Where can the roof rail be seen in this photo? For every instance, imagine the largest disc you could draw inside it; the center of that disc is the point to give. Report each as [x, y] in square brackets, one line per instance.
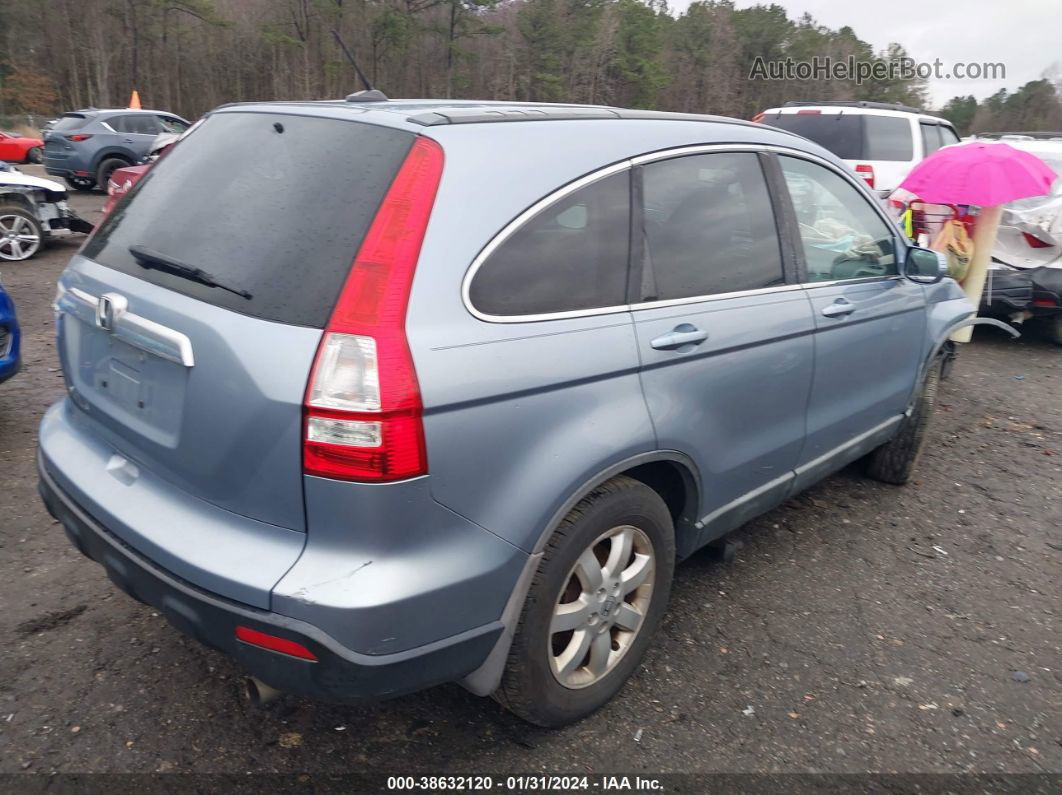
[530, 112]
[862, 103]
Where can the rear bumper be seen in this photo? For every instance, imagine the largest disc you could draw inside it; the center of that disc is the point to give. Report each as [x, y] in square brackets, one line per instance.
[339, 674]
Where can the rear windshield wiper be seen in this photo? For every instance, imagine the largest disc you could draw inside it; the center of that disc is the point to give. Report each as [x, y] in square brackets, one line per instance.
[153, 260]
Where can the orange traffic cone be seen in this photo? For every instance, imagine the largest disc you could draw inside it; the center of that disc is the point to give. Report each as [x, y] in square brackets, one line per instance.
[134, 100]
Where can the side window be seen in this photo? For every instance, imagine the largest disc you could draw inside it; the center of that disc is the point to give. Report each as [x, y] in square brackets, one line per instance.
[139, 124]
[709, 226]
[571, 255]
[930, 137]
[947, 136]
[172, 125]
[842, 236]
[887, 138]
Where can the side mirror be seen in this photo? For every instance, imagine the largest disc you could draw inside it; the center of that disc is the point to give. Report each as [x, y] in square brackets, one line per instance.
[925, 266]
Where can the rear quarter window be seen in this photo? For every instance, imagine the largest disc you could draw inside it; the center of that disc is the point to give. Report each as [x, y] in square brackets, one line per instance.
[270, 204]
[888, 138]
[571, 255]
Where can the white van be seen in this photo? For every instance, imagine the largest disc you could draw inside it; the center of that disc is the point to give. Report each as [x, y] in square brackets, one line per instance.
[881, 142]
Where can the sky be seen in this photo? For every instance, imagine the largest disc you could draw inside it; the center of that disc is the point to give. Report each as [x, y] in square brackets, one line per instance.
[1025, 35]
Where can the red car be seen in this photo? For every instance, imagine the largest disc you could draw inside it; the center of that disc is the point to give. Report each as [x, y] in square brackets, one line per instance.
[17, 149]
[121, 180]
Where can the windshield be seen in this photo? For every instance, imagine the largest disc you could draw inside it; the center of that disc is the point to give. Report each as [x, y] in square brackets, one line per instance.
[269, 204]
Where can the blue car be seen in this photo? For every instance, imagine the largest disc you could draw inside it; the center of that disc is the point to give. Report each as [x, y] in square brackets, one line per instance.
[9, 337]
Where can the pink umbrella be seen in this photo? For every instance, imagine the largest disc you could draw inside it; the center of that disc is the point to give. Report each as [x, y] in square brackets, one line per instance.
[985, 174]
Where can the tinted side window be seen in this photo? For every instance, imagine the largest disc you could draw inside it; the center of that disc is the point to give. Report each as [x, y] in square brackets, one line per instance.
[947, 136]
[709, 226]
[930, 137]
[842, 236]
[888, 138]
[572, 255]
[172, 125]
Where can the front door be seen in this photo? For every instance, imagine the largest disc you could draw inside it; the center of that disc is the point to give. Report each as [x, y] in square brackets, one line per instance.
[724, 336]
[869, 320]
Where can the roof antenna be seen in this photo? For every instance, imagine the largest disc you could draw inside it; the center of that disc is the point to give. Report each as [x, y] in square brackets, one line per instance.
[370, 94]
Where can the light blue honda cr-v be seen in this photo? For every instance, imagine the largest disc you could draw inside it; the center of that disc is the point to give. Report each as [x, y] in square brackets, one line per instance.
[445, 392]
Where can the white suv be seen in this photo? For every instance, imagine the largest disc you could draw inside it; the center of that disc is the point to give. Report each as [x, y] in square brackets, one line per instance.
[880, 142]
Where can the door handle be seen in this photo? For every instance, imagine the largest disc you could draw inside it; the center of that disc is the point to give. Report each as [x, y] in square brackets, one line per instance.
[839, 308]
[129, 141]
[683, 334]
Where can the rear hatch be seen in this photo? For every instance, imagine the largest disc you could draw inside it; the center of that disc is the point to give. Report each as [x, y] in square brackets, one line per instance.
[203, 385]
[56, 146]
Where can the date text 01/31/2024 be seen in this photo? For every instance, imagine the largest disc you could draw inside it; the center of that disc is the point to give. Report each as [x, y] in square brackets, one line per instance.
[530, 783]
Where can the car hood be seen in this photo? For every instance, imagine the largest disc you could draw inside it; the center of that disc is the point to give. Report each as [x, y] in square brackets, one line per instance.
[26, 181]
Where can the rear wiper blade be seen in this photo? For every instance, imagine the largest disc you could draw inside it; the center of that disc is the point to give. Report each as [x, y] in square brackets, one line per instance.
[153, 260]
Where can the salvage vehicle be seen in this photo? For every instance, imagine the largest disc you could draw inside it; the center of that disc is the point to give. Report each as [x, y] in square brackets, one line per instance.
[20, 149]
[881, 142]
[10, 337]
[85, 146]
[464, 423]
[32, 209]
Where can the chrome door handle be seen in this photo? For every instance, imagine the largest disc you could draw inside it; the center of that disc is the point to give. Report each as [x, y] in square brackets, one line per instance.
[684, 334]
[839, 309]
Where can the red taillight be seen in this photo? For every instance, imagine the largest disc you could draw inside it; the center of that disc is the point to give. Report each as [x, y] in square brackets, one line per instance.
[78, 137]
[808, 112]
[758, 117]
[363, 407]
[866, 172]
[1034, 242]
[1044, 302]
[273, 643]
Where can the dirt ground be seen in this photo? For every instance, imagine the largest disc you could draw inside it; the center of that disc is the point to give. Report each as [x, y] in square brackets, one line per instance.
[862, 627]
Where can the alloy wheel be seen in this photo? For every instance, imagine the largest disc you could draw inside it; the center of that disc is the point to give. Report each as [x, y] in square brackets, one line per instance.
[19, 239]
[602, 606]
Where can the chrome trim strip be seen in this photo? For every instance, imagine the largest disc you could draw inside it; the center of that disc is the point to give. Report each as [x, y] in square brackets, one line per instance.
[666, 154]
[704, 299]
[853, 442]
[744, 498]
[147, 335]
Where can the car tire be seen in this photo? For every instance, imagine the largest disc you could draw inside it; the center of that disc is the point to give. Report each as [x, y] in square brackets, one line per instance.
[35, 155]
[16, 218]
[106, 168]
[80, 183]
[537, 685]
[894, 461]
[1054, 329]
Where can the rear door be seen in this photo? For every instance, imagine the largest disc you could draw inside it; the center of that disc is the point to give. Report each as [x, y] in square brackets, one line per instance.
[135, 132]
[724, 335]
[203, 385]
[869, 320]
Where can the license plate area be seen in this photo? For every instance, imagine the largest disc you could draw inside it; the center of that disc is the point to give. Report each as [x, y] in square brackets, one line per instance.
[136, 392]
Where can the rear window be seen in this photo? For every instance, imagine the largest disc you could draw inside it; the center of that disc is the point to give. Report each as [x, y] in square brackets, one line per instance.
[852, 136]
[842, 134]
[69, 121]
[268, 204]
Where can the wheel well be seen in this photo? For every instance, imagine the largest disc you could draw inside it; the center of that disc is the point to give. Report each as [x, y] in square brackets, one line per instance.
[16, 198]
[678, 488]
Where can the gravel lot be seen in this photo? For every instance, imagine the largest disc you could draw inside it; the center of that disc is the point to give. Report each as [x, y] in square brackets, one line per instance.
[861, 626]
